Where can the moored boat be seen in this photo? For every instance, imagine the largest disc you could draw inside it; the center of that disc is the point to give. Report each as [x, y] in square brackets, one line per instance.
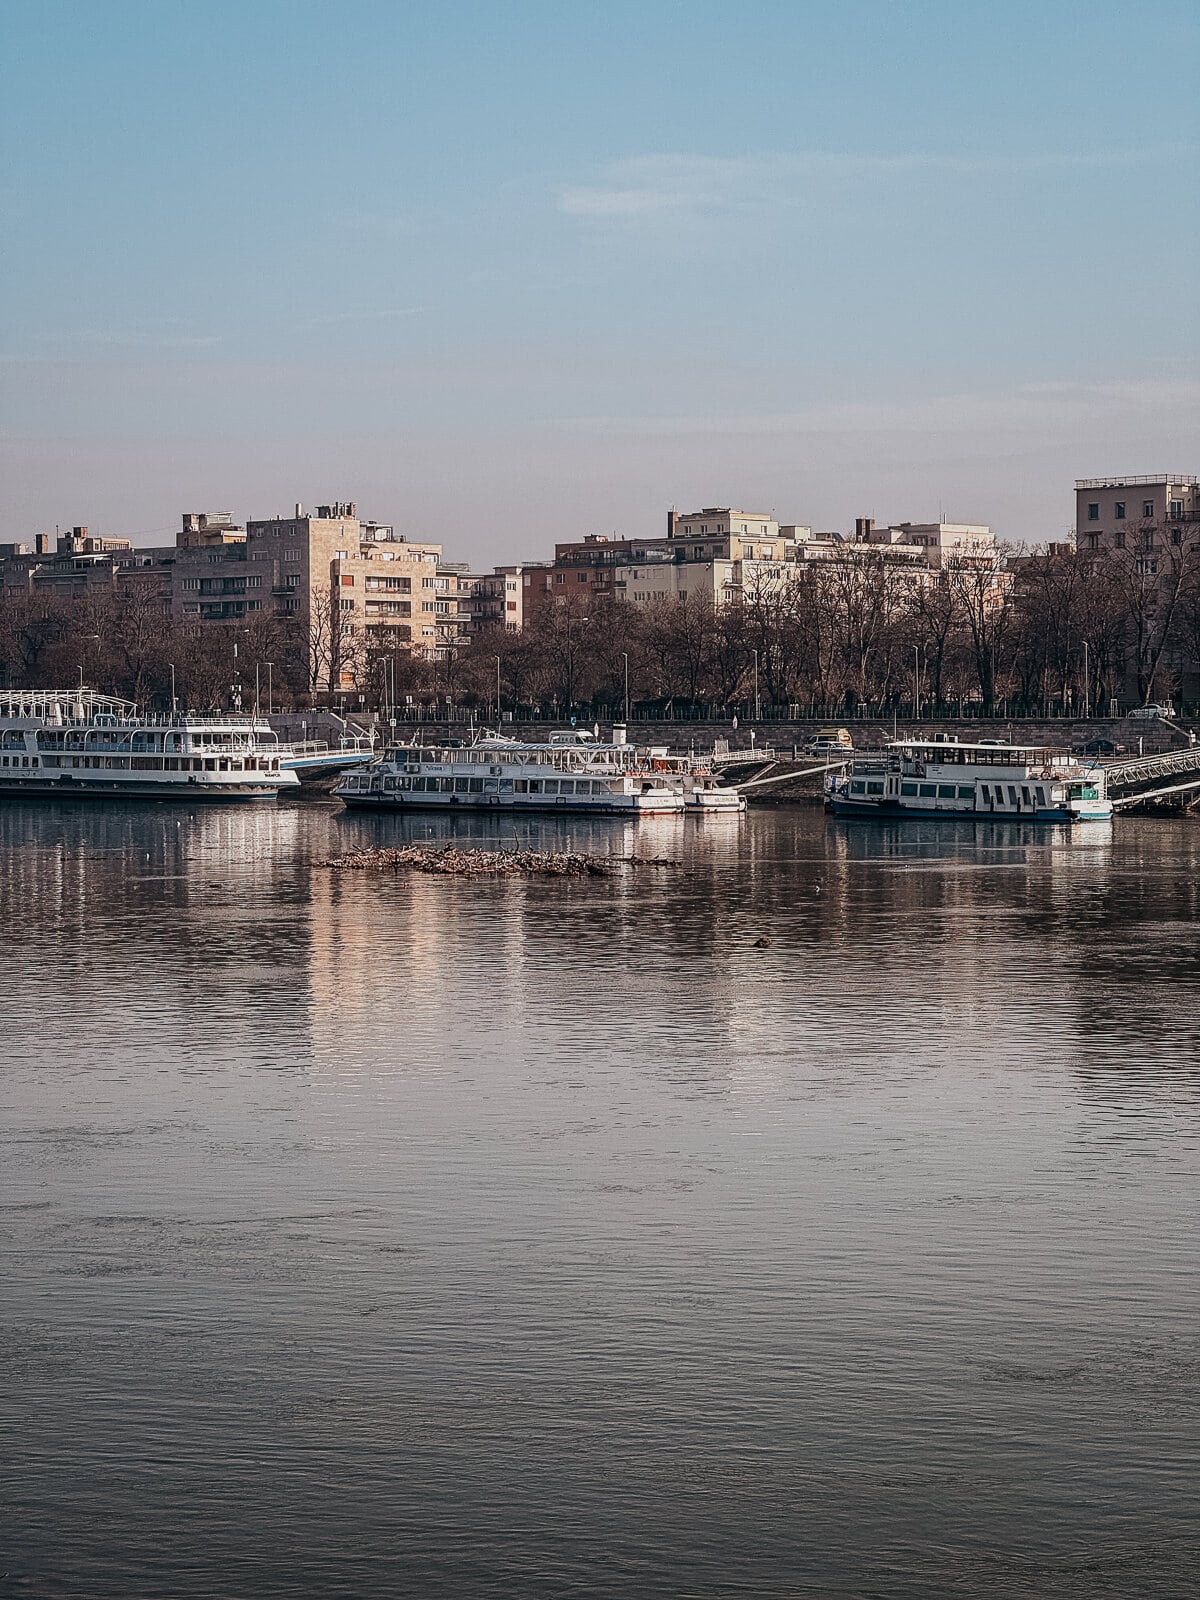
[945, 778]
[571, 771]
[76, 744]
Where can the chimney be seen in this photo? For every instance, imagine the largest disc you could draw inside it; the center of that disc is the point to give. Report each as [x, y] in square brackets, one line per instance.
[299, 510]
[42, 543]
[864, 527]
[671, 523]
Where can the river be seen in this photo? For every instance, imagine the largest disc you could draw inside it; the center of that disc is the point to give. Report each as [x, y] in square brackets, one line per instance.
[377, 1235]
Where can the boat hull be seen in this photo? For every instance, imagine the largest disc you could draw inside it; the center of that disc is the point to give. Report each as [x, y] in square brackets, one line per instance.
[891, 809]
[188, 793]
[633, 806]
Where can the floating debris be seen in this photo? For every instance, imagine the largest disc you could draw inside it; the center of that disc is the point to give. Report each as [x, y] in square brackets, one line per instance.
[456, 862]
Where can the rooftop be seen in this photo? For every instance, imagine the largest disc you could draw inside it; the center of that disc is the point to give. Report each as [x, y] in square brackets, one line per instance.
[1185, 478]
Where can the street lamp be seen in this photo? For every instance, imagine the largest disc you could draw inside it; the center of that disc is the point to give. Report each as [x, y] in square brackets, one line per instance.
[497, 688]
[625, 658]
[1087, 688]
[270, 688]
[917, 682]
[757, 711]
[173, 700]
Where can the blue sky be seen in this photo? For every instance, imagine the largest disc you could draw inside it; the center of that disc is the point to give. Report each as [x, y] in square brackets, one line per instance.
[506, 273]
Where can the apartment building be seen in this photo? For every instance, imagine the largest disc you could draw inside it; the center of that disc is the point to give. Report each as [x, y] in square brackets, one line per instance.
[339, 578]
[928, 544]
[1149, 516]
[496, 599]
[722, 554]
[78, 563]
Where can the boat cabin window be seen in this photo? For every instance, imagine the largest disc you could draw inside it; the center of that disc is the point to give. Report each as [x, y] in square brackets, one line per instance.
[945, 791]
[1012, 794]
[908, 788]
[929, 791]
[550, 786]
[874, 788]
[858, 787]
[966, 791]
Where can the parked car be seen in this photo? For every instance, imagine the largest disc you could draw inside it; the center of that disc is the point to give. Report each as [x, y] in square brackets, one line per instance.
[830, 741]
[1152, 712]
[1099, 747]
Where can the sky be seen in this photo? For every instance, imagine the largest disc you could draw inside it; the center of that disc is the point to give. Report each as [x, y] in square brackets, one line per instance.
[515, 272]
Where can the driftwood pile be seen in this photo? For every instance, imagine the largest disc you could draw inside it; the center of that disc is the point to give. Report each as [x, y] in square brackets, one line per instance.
[455, 862]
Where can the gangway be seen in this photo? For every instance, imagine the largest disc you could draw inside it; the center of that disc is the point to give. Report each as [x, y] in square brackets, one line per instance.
[1132, 780]
[315, 755]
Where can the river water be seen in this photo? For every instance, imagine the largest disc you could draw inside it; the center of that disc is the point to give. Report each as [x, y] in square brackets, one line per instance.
[373, 1235]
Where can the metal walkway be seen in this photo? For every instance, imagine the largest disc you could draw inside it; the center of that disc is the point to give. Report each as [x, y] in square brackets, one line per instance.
[316, 756]
[1135, 779]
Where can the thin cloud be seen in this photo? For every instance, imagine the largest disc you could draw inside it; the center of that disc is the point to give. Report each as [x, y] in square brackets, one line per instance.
[395, 314]
[675, 184]
[1029, 406]
[143, 339]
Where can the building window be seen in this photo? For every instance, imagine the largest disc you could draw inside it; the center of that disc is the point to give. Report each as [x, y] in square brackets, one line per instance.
[1120, 511]
[1093, 540]
[347, 605]
[291, 556]
[1120, 539]
[1176, 536]
[1176, 510]
[1147, 508]
[1094, 511]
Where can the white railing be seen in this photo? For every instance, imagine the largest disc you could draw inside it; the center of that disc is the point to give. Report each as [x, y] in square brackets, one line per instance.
[1185, 479]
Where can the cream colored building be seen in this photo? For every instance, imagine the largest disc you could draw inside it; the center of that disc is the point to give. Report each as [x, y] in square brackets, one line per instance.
[1154, 513]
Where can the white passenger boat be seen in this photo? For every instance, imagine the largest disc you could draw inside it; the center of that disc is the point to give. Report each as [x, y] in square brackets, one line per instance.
[943, 778]
[82, 745]
[570, 772]
[698, 782]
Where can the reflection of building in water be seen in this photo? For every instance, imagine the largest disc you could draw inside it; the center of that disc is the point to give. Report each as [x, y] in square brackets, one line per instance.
[173, 913]
[1134, 979]
[417, 972]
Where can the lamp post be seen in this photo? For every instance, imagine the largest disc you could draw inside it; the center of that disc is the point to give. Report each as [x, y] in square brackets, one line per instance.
[757, 711]
[1087, 687]
[174, 702]
[270, 688]
[625, 658]
[497, 688]
[917, 682]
